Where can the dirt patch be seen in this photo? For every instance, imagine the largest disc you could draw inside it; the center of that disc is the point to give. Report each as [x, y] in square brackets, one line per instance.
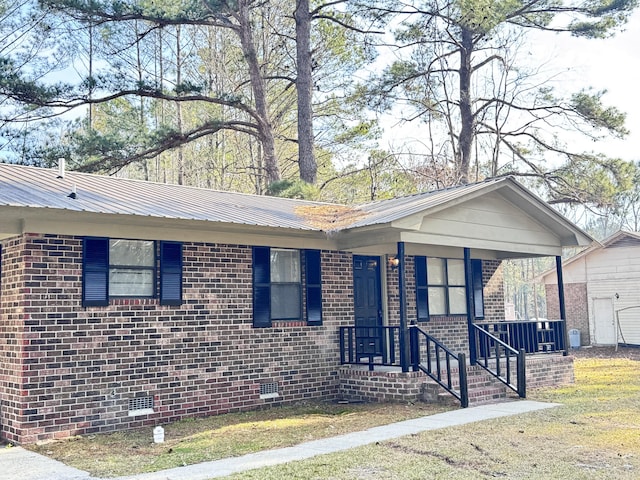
[632, 353]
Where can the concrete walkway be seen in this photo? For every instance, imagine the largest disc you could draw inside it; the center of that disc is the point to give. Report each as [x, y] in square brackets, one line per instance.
[19, 464]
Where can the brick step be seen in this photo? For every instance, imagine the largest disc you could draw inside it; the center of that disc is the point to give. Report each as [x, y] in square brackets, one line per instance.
[482, 388]
[475, 376]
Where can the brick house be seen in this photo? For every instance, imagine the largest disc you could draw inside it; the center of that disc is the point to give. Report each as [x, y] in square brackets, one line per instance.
[601, 291]
[126, 303]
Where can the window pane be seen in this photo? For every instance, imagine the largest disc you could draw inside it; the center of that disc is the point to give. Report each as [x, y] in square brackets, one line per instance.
[131, 253]
[455, 272]
[285, 265]
[285, 301]
[436, 301]
[435, 271]
[125, 282]
[457, 301]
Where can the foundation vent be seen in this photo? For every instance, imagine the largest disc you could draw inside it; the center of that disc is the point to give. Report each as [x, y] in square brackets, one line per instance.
[269, 390]
[140, 406]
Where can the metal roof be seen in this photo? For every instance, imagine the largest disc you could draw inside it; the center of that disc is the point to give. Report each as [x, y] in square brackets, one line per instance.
[24, 186]
[41, 188]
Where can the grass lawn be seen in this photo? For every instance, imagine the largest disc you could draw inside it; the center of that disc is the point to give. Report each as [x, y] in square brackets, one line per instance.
[595, 434]
[204, 439]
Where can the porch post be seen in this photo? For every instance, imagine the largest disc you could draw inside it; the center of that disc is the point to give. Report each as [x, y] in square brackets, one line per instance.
[468, 273]
[563, 313]
[402, 296]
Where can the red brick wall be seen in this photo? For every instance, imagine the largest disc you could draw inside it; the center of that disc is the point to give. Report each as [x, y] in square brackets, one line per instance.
[493, 281]
[575, 298]
[451, 331]
[549, 370]
[66, 369]
[203, 357]
[376, 386]
[12, 335]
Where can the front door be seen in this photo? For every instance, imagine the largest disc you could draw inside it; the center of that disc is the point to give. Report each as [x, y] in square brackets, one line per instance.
[604, 325]
[368, 306]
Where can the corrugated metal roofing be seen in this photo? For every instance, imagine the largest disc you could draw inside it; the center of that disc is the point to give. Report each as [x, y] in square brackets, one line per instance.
[42, 188]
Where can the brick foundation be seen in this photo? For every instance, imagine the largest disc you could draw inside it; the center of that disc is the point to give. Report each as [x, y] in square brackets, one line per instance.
[379, 386]
[549, 370]
[357, 384]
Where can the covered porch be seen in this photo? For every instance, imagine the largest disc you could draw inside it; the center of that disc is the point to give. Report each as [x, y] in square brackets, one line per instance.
[495, 222]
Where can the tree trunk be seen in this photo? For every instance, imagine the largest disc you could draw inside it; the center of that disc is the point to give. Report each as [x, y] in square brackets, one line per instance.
[465, 141]
[259, 89]
[145, 163]
[179, 153]
[304, 88]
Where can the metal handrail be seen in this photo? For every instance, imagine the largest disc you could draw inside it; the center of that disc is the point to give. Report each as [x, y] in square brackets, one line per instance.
[434, 350]
[486, 344]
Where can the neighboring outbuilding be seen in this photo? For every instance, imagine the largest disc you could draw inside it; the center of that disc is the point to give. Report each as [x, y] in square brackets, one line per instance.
[601, 289]
[126, 303]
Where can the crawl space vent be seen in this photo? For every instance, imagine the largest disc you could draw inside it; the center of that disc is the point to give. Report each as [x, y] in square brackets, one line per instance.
[269, 390]
[140, 406]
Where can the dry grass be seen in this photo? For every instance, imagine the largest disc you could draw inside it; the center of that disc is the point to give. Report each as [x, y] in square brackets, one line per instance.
[595, 434]
[205, 439]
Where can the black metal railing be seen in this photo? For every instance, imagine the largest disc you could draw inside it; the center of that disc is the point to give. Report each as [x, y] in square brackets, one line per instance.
[498, 347]
[437, 361]
[498, 358]
[536, 336]
[370, 346]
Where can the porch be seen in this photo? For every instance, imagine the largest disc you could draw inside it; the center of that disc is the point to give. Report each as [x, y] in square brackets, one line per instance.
[504, 357]
[358, 383]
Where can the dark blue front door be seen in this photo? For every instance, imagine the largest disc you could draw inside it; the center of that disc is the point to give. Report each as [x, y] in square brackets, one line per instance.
[368, 307]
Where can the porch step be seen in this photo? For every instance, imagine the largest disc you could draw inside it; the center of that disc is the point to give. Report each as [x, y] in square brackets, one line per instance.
[482, 388]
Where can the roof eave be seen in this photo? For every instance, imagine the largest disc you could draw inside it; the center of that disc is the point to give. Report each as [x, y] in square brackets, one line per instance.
[19, 220]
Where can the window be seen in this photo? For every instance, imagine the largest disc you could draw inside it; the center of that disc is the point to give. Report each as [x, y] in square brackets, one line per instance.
[441, 287]
[131, 268]
[285, 284]
[277, 285]
[445, 287]
[478, 291]
[115, 268]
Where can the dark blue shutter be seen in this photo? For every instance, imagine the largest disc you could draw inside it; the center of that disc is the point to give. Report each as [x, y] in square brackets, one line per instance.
[170, 273]
[478, 295]
[422, 292]
[95, 272]
[261, 287]
[313, 286]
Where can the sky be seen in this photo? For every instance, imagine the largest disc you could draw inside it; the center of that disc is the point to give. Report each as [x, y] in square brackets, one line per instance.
[611, 64]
